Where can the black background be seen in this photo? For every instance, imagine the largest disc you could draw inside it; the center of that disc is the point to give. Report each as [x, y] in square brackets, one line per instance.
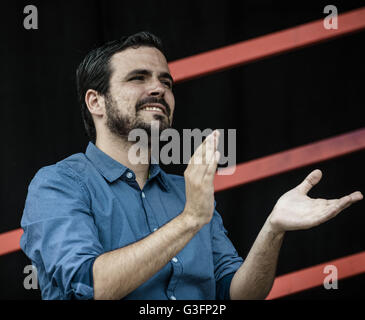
[275, 104]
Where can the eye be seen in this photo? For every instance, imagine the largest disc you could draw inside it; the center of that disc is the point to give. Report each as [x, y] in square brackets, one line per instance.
[167, 83]
[139, 78]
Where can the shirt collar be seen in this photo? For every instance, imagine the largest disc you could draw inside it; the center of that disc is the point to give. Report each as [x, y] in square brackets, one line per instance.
[107, 166]
[113, 170]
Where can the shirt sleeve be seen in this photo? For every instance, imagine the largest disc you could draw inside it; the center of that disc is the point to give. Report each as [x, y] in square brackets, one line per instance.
[225, 257]
[60, 236]
[223, 287]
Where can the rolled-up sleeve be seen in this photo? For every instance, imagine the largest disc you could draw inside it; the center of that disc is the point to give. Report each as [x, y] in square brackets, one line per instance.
[225, 257]
[60, 236]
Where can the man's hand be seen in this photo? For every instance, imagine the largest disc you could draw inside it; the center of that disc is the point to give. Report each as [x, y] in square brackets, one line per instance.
[295, 210]
[199, 177]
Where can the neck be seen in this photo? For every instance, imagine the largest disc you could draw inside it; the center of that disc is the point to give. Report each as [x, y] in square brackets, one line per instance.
[117, 148]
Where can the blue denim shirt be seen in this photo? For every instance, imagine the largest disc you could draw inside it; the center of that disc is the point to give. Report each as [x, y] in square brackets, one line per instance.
[88, 204]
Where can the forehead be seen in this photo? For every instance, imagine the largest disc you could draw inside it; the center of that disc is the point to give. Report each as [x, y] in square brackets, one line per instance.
[141, 58]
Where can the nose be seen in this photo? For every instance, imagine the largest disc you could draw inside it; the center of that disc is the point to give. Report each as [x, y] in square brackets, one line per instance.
[156, 89]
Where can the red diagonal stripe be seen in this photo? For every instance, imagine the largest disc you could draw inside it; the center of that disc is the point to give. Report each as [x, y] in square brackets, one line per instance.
[265, 46]
[314, 276]
[9, 241]
[289, 160]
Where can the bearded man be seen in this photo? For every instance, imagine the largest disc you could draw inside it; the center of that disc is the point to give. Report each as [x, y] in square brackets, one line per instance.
[98, 225]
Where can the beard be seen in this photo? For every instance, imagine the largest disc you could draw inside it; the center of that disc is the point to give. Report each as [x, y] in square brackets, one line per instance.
[121, 125]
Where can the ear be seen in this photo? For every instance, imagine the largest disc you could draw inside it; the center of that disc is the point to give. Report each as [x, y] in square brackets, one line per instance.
[95, 102]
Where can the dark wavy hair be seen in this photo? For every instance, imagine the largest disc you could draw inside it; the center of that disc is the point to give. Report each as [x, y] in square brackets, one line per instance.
[94, 71]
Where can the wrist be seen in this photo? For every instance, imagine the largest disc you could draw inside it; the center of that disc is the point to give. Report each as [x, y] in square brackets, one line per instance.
[190, 221]
[273, 228]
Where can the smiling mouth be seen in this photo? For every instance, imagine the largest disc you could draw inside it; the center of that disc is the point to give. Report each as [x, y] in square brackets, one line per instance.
[154, 107]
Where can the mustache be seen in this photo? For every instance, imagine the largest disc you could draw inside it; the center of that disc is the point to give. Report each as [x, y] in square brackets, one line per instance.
[154, 100]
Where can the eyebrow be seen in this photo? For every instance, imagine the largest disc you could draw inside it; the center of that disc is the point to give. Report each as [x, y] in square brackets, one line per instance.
[149, 73]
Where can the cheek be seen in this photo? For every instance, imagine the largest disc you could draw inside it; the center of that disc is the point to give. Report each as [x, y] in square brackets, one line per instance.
[126, 102]
[171, 102]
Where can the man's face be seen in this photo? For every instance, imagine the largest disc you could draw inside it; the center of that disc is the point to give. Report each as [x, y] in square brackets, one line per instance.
[140, 91]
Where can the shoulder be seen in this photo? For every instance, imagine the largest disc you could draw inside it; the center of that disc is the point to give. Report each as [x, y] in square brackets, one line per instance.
[65, 173]
[55, 188]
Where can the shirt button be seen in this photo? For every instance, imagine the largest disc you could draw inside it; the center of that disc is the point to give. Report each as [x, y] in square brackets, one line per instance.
[172, 298]
[143, 195]
[154, 229]
[174, 259]
[129, 175]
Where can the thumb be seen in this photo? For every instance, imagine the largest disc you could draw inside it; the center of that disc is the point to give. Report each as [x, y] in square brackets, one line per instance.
[310, 181]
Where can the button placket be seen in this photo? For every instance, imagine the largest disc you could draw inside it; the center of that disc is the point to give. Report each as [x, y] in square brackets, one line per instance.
[151, 219]
[176, 273]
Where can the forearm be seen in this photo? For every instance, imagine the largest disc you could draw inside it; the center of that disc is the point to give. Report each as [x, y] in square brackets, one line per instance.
[118, 272]
[254, 279]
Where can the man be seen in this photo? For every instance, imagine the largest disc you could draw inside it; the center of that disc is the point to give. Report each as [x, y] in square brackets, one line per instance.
[99, 226]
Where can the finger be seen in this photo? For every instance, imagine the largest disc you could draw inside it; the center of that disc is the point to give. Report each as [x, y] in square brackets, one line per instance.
[338, 205]
[199, 164]
[209, 175]
[199, 153]
[310, 181]
[211, 149]
[353, 197]
[208, 151]
[346, 201]
[357, 196]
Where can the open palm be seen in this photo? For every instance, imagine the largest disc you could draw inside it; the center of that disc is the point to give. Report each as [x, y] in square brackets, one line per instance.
[295, 210]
